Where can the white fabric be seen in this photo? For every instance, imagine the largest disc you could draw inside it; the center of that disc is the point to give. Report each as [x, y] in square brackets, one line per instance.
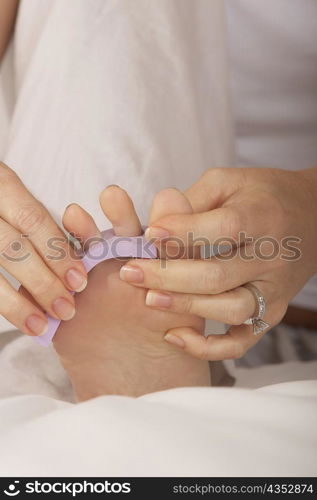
[210, 432]
[181, 432]
[132, 93]
[273, 57]
[28, 368]
[6, 97]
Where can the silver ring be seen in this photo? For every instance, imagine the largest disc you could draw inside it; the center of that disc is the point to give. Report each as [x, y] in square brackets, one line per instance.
[259, 325]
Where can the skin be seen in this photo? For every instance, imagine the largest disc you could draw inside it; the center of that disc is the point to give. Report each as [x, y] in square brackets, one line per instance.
[115, 344]
[259, 202]
[26, 227]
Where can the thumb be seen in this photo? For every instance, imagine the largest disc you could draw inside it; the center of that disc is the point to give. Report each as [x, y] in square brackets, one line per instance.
[169, 201]
[214, 187]
[166, 202]
[211, 217]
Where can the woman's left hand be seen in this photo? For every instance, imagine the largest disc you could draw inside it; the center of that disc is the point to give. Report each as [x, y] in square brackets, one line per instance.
[269, 217]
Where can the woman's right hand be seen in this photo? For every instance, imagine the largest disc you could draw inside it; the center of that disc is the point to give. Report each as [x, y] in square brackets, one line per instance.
[36, 252]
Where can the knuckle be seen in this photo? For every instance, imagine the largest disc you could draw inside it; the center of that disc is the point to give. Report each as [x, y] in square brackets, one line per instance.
[208, 174]
[14, 251]
[203, 353]
[236, 314]
[7, 239]
[7, 175]
[186, 304]
[45, 287]
[158, 279]
[231, 224]
[30, 218]
[275, 212]
[277, 209]
[12, 308]
[238, 350]
[214, 278]
[216, 172]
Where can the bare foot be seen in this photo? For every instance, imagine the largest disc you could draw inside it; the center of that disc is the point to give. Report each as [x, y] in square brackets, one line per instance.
[114, 344]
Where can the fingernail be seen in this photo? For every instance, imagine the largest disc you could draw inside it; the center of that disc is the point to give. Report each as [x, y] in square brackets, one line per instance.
[172, 339]
[64, 309]
[76, 280]
[69, 206]
[36, 324]
[158, 299]
[112, 185]
[156, 233]
[131, 274]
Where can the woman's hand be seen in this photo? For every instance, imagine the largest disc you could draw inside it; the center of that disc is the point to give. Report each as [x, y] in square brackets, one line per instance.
[269, 216]
[35, 251]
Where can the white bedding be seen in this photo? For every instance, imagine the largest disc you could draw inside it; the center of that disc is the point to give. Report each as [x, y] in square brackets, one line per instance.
[269, 431]
[183, 432]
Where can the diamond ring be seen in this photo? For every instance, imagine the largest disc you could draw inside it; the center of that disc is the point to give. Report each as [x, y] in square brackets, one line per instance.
[259, 325]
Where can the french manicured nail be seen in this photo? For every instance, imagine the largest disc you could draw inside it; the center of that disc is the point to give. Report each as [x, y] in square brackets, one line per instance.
[158, 299]
[156, 233]
[131, 274]
[76, 280]
[172, 339]
[64, 309]
[36, 324]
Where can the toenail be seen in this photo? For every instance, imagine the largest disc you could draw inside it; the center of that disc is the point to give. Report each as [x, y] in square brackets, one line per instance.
[131, 274]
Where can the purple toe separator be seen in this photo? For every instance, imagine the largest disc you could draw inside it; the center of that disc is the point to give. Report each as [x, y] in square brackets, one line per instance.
[110, 248]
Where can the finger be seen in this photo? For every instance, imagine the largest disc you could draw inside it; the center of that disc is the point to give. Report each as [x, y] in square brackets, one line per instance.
[232, 307]
[80, 224]
[119, 209]
[29, 217]
[232, 345]
[19, 311]
[197, 229]
[170, 201]
[210, 276]
[18, 258]
[214, 217]
[214, 187]
[211, 190]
